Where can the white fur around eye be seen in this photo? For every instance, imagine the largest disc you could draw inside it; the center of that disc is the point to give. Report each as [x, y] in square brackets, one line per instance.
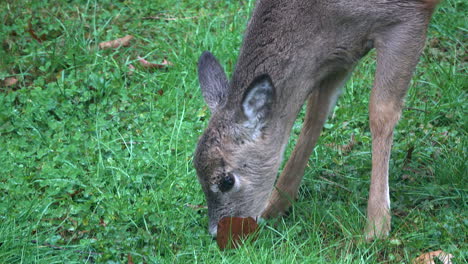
[214, 188]
[237, 185]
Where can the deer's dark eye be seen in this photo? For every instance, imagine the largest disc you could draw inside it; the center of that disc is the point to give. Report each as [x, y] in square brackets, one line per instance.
[227, 182]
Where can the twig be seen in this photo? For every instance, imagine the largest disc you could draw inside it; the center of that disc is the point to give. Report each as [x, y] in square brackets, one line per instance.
[147, 64]
[33, 34]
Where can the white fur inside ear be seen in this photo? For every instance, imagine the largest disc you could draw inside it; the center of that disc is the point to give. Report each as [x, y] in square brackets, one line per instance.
[255, 133]
[256, 99]
[256, 106]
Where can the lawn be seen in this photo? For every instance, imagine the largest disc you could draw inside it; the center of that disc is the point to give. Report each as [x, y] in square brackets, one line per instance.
[96, 149]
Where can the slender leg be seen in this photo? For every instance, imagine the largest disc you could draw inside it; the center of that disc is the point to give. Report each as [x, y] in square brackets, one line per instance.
[318, 106]
[398, 51]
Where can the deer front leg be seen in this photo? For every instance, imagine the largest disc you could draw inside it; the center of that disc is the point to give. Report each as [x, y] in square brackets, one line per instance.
[383, 117]
[318, 106]
[398, 51]
[288, 183]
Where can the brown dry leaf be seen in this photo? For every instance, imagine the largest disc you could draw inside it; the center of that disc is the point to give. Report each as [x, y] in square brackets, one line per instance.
[147, 64]
[10, 81]
[113, 44]
[232, 230]
[33, 33]
[102, 223]
[428, 258]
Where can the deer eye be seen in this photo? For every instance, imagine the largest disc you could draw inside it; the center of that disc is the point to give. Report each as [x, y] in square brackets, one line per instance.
[227, 182]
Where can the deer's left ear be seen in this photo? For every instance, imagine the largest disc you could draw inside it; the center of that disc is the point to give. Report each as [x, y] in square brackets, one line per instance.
[213, 81]
[258, 102]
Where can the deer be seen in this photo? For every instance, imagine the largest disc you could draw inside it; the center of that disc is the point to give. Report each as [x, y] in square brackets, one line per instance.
[296, 52]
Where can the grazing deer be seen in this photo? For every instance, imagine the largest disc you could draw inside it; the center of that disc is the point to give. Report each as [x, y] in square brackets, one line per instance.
[294, 51]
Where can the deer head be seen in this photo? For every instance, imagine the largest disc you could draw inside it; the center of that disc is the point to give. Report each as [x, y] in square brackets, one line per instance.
[236, 158]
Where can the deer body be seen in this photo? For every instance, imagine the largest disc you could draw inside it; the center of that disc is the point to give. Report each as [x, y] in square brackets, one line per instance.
[297, 51]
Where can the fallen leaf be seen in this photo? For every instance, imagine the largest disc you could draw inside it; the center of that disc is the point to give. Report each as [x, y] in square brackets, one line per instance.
[33, 33]
[147, 64]
[113, 44]
[428, 258]
[232, 230]
[10, 81]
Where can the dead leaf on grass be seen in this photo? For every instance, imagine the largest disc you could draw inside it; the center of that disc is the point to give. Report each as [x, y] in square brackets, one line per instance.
[101, 222]
[10, 81]
[113, 44]
[150, 65]
[428, 258]
[33, 33]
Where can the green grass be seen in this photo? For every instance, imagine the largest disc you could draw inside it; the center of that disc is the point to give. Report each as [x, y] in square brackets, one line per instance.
[96, 163]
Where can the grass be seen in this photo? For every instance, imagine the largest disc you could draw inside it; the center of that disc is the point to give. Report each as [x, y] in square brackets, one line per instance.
[96, 163]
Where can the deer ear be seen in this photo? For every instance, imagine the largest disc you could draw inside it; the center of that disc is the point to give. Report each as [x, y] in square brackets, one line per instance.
[258, 102]
[213, 81]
